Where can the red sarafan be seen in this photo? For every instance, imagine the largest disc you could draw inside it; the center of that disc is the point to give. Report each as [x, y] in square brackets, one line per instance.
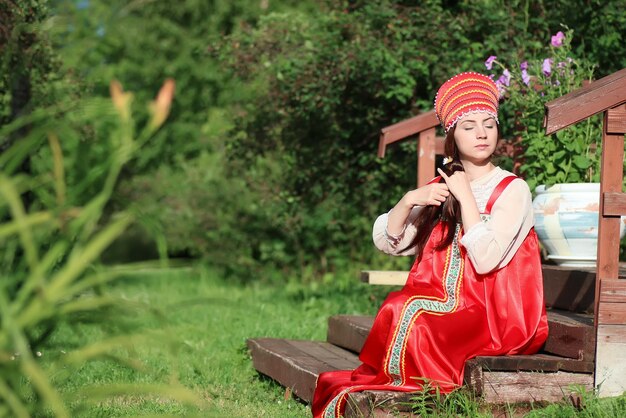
[446, 314]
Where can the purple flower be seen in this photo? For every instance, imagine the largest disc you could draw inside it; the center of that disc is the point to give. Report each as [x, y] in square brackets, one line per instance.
[557, 40]
[524, 66]
[525, 77]
[501, 87]
[489, 62]
[507, 77]
[547, 66]
[503, 82]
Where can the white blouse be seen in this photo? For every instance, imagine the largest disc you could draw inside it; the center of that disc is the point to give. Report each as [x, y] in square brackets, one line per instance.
[490, 244]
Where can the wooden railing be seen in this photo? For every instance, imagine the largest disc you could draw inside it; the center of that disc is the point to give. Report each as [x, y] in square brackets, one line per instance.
[428, 145]
[606, 95]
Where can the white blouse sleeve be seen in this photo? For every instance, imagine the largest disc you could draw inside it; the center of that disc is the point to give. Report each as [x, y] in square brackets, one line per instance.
[492, 244]
[395, 244]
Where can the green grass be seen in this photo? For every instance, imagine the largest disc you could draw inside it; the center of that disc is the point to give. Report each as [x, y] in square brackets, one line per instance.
[199, 324]
[203, 324]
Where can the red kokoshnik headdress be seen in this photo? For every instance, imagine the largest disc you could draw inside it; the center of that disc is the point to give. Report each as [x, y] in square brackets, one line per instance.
[463, 94]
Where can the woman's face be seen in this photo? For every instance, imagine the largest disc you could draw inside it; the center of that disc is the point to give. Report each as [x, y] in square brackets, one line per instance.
[476, 136]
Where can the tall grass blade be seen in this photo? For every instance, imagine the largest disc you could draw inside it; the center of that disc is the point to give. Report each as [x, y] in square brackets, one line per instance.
[59, 172]
[19, 217]
[13, 401]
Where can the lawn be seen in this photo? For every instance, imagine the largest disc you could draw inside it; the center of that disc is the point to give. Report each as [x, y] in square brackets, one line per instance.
[199, 324]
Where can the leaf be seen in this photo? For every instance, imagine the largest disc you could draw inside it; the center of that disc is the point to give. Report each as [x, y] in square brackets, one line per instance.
[581, 162]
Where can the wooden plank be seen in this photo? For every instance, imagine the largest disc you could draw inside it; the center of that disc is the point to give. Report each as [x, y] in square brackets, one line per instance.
[534, 362]
[612, 165]
[571, 335]
[614, 204]
[616, 120]
[296, 364]
[378, 404]
[387, 278]
[568, 289]
[580, 104]
[615, 334]
[613, 291]
[505, 387]
[425, 156]
[612, 313]
[349, 331]
[611, 365]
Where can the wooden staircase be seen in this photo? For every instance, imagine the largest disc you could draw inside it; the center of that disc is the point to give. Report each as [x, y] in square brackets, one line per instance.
[567, 358]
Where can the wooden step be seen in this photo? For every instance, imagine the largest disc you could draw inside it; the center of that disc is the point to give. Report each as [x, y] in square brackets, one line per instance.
[563, 287]
[296, 364]
[499, 387]
[571, 335]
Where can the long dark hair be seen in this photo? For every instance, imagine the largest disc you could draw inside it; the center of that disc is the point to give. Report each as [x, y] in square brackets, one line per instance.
[449, 212]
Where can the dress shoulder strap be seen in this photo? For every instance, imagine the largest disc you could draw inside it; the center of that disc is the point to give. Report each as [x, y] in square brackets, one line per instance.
[498, 191]
[435, 180]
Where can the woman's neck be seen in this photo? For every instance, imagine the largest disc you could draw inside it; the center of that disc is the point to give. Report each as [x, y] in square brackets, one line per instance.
[475, 171]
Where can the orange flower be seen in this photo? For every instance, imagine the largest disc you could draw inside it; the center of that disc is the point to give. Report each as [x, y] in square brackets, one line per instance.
[160, 107]
[121, 100]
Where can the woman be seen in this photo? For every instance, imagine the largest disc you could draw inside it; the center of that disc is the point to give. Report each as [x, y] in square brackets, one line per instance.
[475, 288]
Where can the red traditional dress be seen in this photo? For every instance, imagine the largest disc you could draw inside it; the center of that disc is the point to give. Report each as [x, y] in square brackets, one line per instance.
[446, 314]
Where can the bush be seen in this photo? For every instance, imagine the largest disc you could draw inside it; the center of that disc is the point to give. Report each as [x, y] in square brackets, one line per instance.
[329, 82]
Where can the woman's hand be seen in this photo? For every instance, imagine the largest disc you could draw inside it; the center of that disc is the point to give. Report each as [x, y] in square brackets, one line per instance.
[459, 185]
[431, 194]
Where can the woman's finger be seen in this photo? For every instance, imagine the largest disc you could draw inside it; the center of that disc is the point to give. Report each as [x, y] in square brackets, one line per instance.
[445, 177]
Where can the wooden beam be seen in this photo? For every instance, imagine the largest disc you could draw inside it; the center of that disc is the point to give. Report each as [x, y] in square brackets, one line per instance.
[405, 129]
[513, 387]
[389, 278]
[613, 291]
[596, 97]
[616, 120]
[612, 334]
[611, 169]
[614, 204]
[612, 314]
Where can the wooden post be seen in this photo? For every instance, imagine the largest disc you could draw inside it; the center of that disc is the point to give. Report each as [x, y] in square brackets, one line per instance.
[610, 299]
[425, 156]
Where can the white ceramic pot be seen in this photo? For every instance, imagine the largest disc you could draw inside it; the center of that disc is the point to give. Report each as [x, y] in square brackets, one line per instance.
[566, 221]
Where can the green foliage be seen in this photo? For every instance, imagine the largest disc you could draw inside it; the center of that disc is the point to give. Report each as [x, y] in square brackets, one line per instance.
[303, 88]
[572, 155]
[459, 403]
[51, 237]
[29, 70]
[330, 81]
[585, 403]
[142, 43]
